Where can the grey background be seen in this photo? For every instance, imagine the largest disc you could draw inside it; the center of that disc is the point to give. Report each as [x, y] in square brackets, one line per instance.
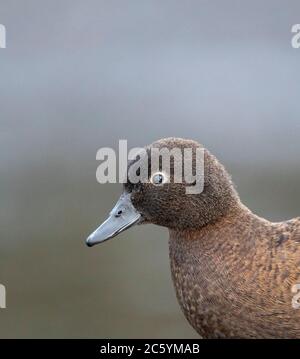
[79, 75]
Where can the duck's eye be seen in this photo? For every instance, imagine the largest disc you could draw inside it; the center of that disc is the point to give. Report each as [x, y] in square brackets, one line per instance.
[158, 178]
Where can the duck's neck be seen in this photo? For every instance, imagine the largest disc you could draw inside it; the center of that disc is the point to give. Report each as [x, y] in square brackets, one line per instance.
[217, 236]
[209, 270]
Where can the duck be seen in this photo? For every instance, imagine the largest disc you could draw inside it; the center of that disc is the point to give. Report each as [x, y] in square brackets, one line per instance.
[235, 274]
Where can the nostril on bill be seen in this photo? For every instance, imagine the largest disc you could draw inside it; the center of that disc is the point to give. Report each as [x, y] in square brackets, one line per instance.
[118, 214]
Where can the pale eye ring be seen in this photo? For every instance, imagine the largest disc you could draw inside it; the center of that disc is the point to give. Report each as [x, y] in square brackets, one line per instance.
[158, 178]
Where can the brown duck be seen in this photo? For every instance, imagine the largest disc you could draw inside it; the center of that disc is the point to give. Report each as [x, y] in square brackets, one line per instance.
[236, 275]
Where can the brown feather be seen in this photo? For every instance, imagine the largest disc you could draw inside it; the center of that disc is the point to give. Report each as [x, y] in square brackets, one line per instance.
[233, 272]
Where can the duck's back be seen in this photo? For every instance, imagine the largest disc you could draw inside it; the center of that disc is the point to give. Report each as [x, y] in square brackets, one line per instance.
[235, 278]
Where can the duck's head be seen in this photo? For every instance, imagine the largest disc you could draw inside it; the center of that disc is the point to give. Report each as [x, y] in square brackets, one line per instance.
[159, 198]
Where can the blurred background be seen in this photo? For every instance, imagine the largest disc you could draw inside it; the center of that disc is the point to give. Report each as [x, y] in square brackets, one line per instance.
[82, 74]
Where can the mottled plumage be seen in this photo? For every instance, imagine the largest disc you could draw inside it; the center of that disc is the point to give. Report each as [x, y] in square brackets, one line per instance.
[233, 278]
[233, 272]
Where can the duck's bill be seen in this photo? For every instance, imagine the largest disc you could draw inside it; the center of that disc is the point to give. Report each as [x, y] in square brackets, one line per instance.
[122, 216]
